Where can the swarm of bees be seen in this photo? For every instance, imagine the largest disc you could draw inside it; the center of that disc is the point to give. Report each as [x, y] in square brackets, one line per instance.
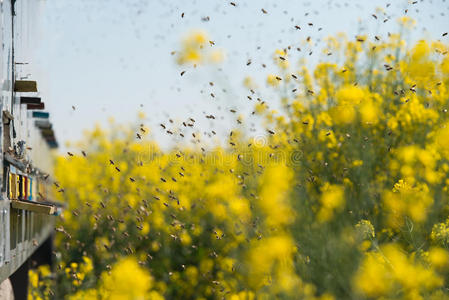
[172, 174]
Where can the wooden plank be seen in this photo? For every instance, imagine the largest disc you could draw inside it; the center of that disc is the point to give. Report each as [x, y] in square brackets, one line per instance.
[43, 124]
[30, 100]
[36, 106]
[19, 164]
[41, 114]
[34, 207]
[25, 86]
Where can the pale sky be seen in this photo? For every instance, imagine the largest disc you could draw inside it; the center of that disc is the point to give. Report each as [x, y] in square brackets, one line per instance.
[109, 57]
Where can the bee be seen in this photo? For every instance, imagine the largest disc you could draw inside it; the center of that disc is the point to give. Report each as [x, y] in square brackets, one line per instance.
[212, 95]
[297, 27]
[132, 179]
[233, 4]
[248, 62]
[182, 73]
[182, 15]
[278, 78]
[70, 154]
[264, 11]
[60, 229]
[444, 34]
[118, 170]
[374, 16]
[212, 43]
[270, 131]
[83, 153]
[111, 162]
[139, 136]
[163, 180]
[294, 76]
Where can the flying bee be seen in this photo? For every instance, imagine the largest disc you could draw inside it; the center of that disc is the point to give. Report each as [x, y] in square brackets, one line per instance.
[294, 76]
[298, 27]
[264, 11]
[139, 136]
[233, 4]
[111, 162]
[70, 154]
[132, 179]
[182, 73]
[182, 15]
